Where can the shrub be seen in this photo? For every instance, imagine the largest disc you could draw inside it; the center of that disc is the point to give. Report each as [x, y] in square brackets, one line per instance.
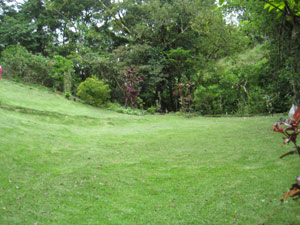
[15, 61]
[130, 87]
[151, 110]
[94, 92]
[19, 64]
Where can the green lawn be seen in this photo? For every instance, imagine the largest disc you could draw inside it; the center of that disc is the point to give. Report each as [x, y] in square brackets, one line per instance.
[63, 162]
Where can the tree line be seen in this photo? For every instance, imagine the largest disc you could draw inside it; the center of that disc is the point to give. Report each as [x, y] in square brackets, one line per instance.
[165, 55]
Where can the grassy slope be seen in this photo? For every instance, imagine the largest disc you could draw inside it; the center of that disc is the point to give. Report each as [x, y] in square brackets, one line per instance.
[91, 166]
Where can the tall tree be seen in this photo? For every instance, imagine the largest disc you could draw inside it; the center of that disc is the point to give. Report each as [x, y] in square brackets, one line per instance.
[169, 30]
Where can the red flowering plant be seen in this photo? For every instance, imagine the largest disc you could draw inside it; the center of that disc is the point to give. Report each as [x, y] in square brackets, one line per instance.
[289, 128]
[130, 87]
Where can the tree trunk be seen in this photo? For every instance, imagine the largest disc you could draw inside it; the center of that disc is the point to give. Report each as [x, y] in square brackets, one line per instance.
[171, 98]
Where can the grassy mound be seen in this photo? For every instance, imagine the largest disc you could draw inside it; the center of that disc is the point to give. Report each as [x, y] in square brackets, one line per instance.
[63, 162]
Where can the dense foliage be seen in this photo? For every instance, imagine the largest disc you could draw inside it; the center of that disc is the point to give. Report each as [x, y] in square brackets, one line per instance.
[20, 64]
[94, 91]
[238, 65]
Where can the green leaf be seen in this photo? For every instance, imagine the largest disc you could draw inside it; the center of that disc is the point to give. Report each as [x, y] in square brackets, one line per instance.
[281, 6]
[266, 5]
[279, 15]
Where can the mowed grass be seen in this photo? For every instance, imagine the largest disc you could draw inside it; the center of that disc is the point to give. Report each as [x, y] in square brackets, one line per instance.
[67, 163]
